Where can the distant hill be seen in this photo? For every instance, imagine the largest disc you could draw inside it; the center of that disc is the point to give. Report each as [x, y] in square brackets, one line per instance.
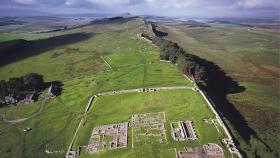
[192, 23]
[11, 22]
[228, 22]
[260, 23]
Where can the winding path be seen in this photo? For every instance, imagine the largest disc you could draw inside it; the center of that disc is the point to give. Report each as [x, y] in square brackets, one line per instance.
[41, 108]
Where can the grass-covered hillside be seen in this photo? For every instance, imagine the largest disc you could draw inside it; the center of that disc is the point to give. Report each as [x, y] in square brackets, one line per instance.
[102, 57]
[251, 57]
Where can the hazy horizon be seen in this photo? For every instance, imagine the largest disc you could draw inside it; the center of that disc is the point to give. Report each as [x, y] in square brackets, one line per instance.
[181, 8]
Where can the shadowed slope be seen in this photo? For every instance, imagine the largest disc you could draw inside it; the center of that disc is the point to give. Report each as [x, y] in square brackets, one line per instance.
[15, 50]
[219, 85]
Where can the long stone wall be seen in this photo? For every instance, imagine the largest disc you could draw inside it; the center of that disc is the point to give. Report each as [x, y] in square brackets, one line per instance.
[220, 122]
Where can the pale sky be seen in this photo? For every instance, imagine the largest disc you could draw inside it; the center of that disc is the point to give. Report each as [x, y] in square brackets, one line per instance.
[188, 8]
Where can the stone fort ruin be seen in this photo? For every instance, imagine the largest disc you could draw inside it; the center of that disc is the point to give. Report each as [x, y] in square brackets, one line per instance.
[111, 136]
[206, 151]
[182, 131]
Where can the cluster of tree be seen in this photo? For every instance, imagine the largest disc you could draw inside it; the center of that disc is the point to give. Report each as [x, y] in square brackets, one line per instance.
[188, 64]
[157, 32]
[16, 86]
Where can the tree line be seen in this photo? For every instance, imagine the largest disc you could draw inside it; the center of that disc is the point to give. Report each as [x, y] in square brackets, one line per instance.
[16, 86]
[187, 63]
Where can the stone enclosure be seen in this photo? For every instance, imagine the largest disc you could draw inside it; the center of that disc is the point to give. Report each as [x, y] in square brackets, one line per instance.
[183, 130]
[206, 151]
[111, 136]
[149, 128]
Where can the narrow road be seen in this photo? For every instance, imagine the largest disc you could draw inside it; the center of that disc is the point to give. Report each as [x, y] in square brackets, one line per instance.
[142, 90]
[41, 108]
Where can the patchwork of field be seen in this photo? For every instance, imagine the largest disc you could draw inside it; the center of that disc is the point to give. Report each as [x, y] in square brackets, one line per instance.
[39, 24]
[251, 57]
[83, 72]
[150, 139]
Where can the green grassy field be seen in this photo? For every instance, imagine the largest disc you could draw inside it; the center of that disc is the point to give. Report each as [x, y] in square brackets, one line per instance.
[83, 72]
[251, 57]
[8, 111]
[27, 110]
[179, 105]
